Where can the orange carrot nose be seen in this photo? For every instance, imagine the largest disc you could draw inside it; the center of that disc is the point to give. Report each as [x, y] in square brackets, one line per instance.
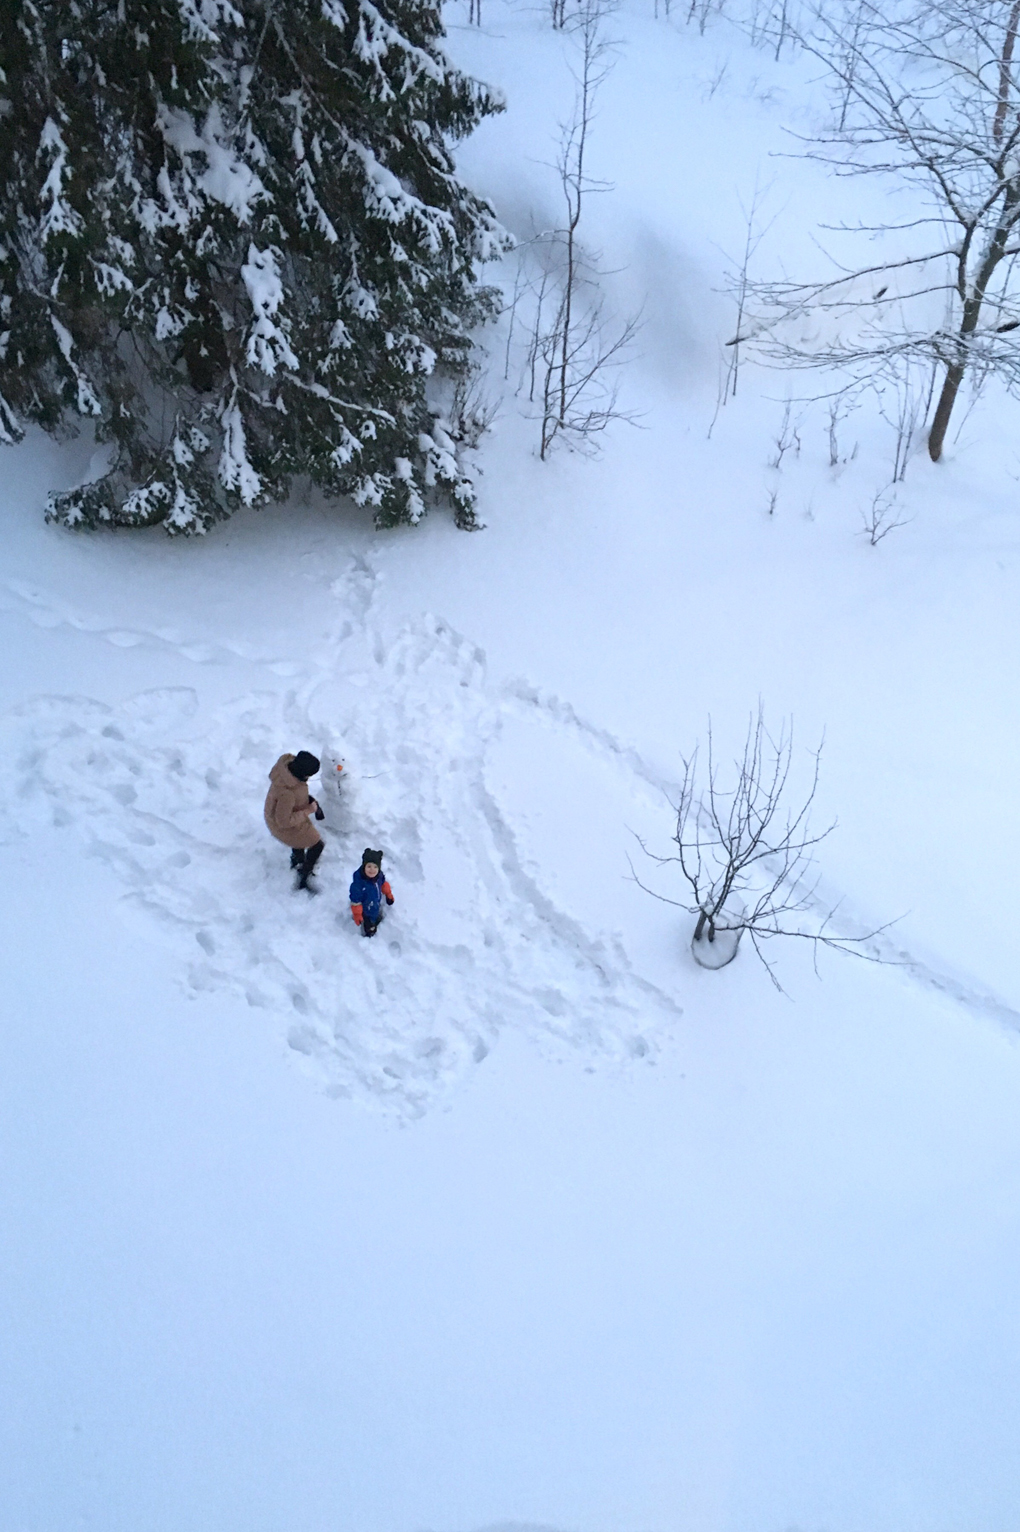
[340, 768]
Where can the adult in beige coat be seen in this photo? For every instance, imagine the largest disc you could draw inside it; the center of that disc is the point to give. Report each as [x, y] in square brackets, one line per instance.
[289, 809]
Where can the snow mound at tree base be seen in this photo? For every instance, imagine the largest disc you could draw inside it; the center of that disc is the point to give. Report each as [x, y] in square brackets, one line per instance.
[718, 953]
[171, 800]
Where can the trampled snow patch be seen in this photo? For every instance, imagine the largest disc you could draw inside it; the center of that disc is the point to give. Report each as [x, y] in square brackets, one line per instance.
[171, 799]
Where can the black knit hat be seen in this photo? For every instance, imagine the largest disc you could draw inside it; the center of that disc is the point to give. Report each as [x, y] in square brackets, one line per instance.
[368, 855]
[303, 766]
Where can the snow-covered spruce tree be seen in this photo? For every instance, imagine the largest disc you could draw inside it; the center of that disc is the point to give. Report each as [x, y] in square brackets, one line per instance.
[232, 235]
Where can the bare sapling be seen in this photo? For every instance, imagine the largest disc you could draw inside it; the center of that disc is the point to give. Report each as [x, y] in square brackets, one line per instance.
[768, 24]
[576, 350]
[910, 401]
[882, 517]
[773, 23]
[927, 95]
[745, 852]
[840, 407]
[834, 419]
[740, 284]
[787, 438]
[701, 10]
[472, 411]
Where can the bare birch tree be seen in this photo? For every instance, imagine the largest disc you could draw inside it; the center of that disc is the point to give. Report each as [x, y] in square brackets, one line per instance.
[575, 347]
[926, 93]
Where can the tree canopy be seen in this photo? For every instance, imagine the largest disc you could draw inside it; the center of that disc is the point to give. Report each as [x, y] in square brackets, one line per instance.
[232, 236]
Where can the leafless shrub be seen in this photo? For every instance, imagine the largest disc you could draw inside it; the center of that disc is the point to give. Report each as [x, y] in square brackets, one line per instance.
[472, 412]
[712, 85]
[882, 517]
[787, 438]
[739, 284]
[770, 24]
[904, 402]
[699, 11]
[839, 408]
[746, 852]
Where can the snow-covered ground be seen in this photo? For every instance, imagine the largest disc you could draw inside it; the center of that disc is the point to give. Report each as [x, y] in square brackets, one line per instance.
[514, 1215]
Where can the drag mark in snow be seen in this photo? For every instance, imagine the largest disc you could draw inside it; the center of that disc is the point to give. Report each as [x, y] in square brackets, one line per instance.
[45, 610]
[604, 744]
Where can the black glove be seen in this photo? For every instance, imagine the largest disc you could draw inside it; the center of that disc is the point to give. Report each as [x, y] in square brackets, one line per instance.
[389, 898]
[318, 812]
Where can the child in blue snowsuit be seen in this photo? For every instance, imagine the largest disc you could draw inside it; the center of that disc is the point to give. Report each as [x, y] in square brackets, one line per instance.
[368, 890]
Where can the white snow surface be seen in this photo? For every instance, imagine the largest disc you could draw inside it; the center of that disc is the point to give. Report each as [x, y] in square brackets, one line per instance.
[513, 1216]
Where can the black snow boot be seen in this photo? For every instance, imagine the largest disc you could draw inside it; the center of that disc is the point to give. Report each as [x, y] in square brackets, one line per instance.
[311, 856]
[296, 859]
[369, 927]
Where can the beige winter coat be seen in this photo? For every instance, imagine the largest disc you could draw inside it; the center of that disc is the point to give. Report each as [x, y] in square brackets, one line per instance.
[287, 808]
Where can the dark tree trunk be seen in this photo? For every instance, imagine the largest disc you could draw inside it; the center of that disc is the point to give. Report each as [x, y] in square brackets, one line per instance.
[943, 410]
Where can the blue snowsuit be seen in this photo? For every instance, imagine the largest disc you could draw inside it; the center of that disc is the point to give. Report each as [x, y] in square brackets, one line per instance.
[369, 894]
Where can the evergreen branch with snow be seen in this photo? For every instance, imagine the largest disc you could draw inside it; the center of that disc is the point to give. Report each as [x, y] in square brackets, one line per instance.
[233, 238]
